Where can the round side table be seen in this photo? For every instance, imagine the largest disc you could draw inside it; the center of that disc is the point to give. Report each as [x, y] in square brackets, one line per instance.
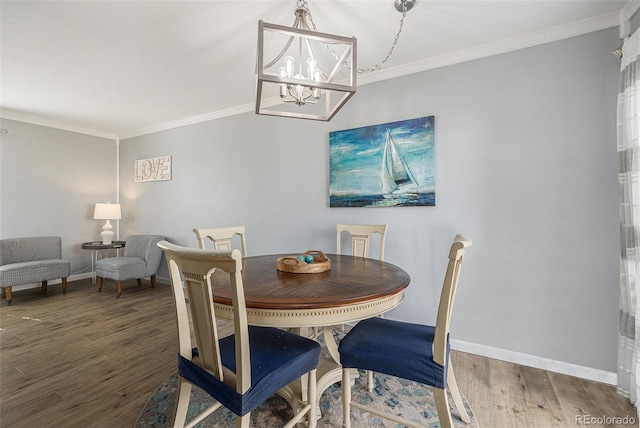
[97, 247]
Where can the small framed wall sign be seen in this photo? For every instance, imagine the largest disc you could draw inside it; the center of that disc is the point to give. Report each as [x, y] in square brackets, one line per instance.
[152, 169]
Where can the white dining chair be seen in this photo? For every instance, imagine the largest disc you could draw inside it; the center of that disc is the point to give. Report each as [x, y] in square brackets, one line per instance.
[410, 351]
[221, 237]
[361, 238]
[240, 371]
[360, 242]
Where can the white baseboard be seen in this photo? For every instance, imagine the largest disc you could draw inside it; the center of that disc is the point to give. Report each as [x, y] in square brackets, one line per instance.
[52, 282]
[536, 362]
[79, 276]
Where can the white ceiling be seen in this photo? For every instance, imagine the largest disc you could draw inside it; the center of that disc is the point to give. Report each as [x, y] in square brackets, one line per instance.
[130, 67]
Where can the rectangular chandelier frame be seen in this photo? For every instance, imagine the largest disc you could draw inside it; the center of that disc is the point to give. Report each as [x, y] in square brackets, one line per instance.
[339, 86]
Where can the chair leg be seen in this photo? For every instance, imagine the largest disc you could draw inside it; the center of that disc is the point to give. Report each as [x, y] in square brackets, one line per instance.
[452, 386]
[243, 421]
[7, 294]
[120, 287]
[183, 404]
[370, 382]
[100, 281]
[312, 398]
[442, 406]
[64, 285]
[44, 286]
[346, 399]
[139, 281]
[153, 281]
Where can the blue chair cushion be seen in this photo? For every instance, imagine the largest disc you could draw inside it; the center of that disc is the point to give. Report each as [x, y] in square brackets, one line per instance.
[277, 359]
[395, 348]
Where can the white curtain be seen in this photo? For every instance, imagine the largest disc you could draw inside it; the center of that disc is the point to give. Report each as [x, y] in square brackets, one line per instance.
[628, 130]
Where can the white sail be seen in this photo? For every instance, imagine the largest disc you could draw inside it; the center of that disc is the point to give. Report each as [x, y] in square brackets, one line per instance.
[395, 172]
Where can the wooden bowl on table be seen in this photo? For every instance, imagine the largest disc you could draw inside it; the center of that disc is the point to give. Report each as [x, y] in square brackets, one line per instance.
[293, 264]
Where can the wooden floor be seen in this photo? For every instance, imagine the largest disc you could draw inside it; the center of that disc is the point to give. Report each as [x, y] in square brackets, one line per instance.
[87, 359]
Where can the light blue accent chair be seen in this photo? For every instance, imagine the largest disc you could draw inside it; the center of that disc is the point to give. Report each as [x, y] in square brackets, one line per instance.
[141, 260]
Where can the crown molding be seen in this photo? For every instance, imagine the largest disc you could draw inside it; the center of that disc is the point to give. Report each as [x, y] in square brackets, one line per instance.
[561, 32]
[553, 34]
[189, 121]
[34, 120]
[503, 46]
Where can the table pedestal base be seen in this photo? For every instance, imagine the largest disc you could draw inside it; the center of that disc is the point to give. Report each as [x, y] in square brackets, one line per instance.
[328, 374]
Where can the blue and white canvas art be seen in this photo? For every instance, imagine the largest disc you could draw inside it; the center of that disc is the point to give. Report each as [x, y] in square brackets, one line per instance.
[387, 165]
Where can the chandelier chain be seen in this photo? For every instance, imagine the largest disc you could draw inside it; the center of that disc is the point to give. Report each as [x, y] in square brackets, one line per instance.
[302, 4]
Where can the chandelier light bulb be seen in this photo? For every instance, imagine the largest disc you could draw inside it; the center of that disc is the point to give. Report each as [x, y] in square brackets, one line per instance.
[316, 91]
[312, 66]
[299, 94]
[289, 64]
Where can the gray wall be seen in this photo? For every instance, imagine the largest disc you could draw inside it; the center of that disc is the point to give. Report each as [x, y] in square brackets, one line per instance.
[50, 181]
[526, 166]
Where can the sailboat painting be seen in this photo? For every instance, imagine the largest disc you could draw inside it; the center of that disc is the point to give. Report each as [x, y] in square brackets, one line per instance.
[386, 165]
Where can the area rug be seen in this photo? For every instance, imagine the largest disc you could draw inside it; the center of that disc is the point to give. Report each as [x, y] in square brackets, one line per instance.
[409, 399]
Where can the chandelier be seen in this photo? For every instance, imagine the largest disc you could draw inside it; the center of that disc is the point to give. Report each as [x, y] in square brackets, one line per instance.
[310, 75]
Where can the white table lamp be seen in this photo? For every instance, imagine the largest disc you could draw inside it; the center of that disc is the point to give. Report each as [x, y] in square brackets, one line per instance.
[107, 212]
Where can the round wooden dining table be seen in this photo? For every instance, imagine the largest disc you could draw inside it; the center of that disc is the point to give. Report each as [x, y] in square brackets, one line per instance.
[354, 288]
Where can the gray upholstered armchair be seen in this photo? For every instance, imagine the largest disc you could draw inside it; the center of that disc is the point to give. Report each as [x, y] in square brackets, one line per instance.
[141, 259]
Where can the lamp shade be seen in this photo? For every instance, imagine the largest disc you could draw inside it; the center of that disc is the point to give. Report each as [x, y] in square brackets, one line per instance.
[107, 212]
